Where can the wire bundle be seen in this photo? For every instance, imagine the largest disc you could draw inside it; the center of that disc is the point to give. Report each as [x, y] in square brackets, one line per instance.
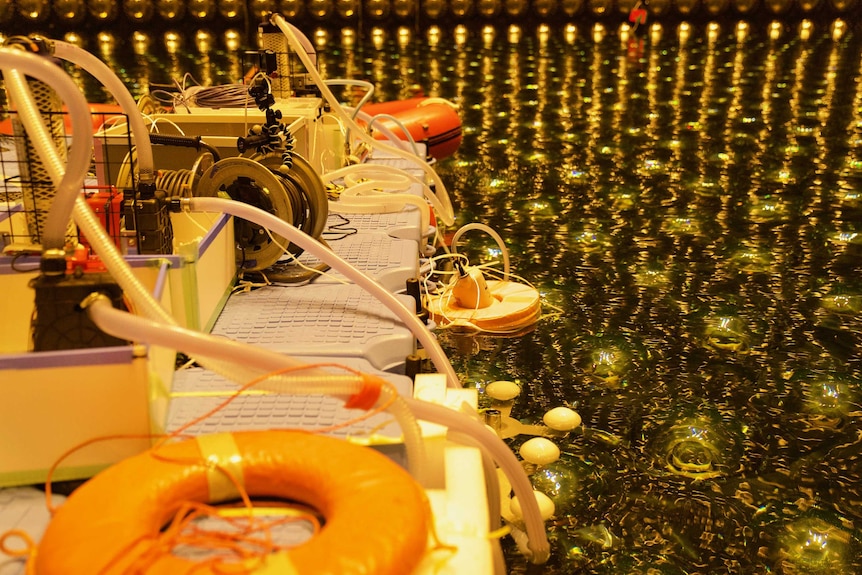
[189, 94]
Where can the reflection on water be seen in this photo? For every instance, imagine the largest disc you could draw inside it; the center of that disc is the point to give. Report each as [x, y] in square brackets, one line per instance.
[688, 197]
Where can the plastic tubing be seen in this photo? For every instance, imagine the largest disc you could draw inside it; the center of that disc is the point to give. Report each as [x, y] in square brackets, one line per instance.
[115, 86]
[400, 178]
[68, 181]
[259, 362]
[307, 46]
[409, 144]
[359, 196]
[505, 458]
[311, 245]
[447, 214]
[369, 89]
[491, 232]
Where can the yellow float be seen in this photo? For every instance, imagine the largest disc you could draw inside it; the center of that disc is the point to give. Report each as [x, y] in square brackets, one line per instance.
[494, 306]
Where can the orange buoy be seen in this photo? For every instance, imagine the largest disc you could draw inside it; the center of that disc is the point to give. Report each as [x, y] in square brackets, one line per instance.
[433, 121]
[376, 516]
[513, 306]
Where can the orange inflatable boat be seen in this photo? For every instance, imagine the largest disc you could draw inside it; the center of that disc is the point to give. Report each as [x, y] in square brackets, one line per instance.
[432, 121]
[99, 113]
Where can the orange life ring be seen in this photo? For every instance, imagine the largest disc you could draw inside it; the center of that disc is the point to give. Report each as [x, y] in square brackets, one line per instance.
[428, 120]
[376, 516]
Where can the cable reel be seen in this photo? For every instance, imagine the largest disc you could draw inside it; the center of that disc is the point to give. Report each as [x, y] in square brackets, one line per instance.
[294, 194]
[249, 182]
[306, 191]
[183, 182]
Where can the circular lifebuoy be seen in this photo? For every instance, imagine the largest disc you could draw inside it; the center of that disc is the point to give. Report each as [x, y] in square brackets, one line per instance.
[513, 306]
[376, 516]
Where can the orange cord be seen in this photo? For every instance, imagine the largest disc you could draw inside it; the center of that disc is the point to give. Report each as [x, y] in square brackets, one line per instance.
[27, 550]
[240, 551]
[50, 477]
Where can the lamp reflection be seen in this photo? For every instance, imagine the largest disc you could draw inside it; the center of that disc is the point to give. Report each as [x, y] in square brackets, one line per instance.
[320, 9]
[201, 9]
[138, 11]
[231, 9]
[34, 10]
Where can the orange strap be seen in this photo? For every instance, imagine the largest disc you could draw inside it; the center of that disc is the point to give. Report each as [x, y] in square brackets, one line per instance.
[367, 396]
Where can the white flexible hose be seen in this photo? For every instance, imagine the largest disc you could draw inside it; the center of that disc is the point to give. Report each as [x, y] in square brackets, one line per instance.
[398, 179]
[115, 86]
[15, 63]
[382, 202]
[355, 172]
[278, 226]
[407, 145]
[505, 458]
[447, 214]
[197, 344]
[369, 89]
[307, 46]
[258, 362]
[491, 232]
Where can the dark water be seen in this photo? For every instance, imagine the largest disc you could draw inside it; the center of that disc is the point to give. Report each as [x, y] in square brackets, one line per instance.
[689, 202]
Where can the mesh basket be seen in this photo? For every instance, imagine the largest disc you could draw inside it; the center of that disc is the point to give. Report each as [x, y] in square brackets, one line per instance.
[286, 73]
[27, 190]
